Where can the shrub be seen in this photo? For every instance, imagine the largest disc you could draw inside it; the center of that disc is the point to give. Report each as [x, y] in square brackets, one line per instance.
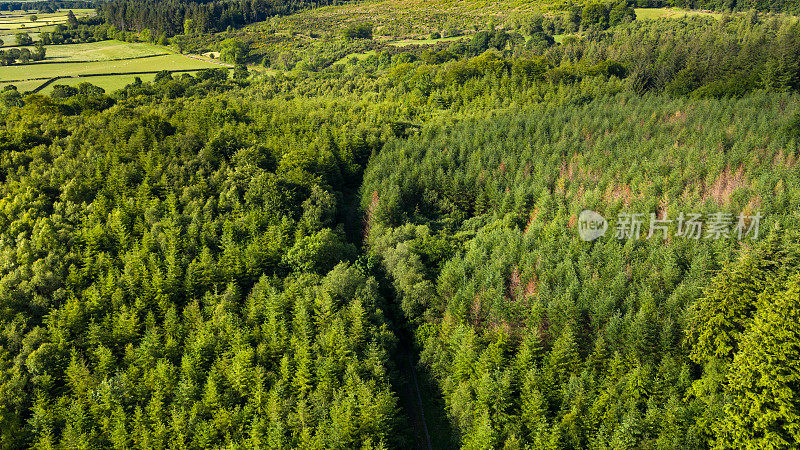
[358, 31]
[63, 91]
[23, 39]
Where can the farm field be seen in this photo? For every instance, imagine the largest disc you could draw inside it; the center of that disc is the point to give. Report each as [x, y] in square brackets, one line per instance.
[8, 37]
[100, 51]
[109, 83]
[20, 20]
[30, 76]
[24, 86]
[155, 63]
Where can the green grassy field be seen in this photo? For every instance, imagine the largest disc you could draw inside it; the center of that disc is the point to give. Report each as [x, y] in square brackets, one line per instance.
[28, 28]
[20, 21]
[8, 38]
[42, 71]
[110, 83]
[24, 86]
[24, 22]
[100, 51]
[6, 16]
[154, 63]
[97, 59]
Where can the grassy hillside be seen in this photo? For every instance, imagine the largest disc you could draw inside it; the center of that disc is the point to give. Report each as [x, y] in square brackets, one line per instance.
[396, 17]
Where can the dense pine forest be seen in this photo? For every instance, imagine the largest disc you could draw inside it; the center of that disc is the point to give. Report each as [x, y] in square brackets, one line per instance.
[170, 17]
[354, 244]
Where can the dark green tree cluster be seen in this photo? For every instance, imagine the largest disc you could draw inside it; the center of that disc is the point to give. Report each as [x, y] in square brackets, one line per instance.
[75, 32]
[745, 334]
[21, 56]
[176, 273]
[358, 31]
[599, 16]
[23, 39]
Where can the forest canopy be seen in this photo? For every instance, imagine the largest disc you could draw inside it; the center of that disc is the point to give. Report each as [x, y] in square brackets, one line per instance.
[350, 241]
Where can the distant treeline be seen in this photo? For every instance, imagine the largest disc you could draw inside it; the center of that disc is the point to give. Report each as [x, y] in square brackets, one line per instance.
[788, 6]
[45, 7]
[180, 16]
